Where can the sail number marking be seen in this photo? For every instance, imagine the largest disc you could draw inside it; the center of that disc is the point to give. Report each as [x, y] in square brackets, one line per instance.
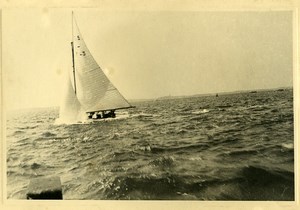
[82, 53]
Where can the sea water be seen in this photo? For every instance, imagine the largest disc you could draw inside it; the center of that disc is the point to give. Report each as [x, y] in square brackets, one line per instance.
[232, 147]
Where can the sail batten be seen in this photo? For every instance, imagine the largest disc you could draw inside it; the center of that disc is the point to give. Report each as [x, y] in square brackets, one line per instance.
[94, 91]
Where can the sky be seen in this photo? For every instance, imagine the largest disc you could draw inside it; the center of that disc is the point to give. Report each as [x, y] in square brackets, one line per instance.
[146, 54]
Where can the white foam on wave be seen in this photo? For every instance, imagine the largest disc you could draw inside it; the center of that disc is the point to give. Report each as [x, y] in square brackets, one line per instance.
[202, 111]
[288, 146]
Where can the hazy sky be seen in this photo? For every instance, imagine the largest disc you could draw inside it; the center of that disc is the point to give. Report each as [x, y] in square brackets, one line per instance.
[146, 54]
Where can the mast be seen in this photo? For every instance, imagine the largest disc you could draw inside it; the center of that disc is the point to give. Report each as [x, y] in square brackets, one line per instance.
[73, 61]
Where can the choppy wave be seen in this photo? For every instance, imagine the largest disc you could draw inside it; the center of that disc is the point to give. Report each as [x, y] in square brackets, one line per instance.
[18, 132]
[249, 184]
[231, 147]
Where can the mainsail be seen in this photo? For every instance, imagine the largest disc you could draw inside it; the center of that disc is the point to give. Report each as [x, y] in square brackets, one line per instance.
[92, 90]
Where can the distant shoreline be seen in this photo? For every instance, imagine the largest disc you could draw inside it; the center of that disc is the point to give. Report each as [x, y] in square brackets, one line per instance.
[212, 94]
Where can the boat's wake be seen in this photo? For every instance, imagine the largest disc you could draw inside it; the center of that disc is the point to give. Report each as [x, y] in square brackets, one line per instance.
[142, 114]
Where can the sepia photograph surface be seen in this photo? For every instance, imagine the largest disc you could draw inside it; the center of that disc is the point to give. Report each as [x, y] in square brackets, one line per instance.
[148, 105]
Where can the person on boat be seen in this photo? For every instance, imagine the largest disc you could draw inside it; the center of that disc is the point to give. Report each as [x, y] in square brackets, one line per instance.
[112, 113]
[90, 115]
[98, 115]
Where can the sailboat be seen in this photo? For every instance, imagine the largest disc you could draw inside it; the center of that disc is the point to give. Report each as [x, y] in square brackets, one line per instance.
[90, 94]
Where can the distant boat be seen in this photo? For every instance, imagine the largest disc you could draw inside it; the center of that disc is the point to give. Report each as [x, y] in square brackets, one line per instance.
[217, 95]
[89, 91]
[254, 91]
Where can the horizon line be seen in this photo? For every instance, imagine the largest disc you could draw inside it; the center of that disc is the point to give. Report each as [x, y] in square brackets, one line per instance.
[166, 97]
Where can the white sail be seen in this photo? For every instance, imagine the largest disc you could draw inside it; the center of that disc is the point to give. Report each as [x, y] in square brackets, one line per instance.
[88, 88]
[94, 91]
[70, 109]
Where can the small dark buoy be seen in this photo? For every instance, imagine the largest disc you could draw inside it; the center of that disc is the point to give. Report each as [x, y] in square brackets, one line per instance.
[46, 188]
[217, 95]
